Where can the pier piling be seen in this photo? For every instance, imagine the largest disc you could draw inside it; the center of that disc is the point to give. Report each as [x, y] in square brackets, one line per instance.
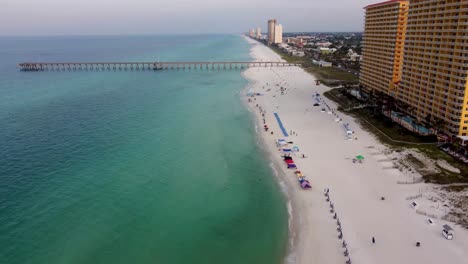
[137, 66]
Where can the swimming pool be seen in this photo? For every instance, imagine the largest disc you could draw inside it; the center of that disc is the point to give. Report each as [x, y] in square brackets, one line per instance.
[410, 121]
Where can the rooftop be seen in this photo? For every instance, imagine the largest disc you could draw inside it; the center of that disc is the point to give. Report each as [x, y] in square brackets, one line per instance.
[384, 3]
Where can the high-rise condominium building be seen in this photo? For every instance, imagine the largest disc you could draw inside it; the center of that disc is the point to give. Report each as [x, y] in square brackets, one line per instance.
[434, 81]
[383, 42]
[252, 33]
[278, 34]
[271, 31]
[259, 32]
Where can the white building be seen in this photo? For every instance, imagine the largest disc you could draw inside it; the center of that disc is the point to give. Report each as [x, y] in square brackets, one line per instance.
[252, 33]
[278, 34]
[298, 53]
[259, 32]
[322, 63]
[323, 44]
[355, 57]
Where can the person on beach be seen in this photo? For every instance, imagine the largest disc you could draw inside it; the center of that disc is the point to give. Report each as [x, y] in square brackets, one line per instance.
[373, 240]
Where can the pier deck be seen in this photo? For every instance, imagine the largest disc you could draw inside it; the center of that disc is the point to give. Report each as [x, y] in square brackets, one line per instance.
[114, 66]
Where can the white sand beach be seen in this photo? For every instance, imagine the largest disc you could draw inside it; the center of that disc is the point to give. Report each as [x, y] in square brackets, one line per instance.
[355, 188]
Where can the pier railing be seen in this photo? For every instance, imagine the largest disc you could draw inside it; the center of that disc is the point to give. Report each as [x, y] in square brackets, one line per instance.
[136, 66]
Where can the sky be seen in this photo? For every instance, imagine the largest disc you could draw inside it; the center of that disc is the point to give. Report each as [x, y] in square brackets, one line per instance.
[123, 17]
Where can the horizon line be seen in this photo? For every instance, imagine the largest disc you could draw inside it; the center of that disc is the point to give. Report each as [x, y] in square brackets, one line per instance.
[161, 34]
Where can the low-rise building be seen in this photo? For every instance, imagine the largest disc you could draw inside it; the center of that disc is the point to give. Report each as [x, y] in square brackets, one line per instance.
[322, 63]
[355, 57]
[323, 44]
[298, 53]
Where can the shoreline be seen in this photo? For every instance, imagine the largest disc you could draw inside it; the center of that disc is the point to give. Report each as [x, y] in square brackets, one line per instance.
[355, 188]
[274, 166]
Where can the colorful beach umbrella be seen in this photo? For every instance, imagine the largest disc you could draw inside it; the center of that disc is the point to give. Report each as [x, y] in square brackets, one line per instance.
[359, 157]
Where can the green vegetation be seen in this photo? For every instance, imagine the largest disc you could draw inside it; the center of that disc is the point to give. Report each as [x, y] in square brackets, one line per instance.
[387, 131]
[455, 188]
[414, 161]
[330, 76]
[370, 118]
[287, 57]
[398, 137]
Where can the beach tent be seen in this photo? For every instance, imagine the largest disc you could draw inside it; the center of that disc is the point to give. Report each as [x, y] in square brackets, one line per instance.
[447, 231]
[292, 166]
[358, 158]
[286, 150]
[299, 174]
[305, 184]
[296, 148]
[348, 129]
[282, 143]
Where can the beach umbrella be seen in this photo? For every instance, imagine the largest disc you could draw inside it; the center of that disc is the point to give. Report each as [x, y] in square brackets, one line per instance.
[359, 157]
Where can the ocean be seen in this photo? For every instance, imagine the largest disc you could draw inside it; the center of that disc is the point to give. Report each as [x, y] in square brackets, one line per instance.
[132, 166]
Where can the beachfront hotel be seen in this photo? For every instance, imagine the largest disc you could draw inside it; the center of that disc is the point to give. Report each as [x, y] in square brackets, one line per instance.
[417, 53]
[271, 31]
[278, 34]
[383, 42]
[435, 66]
[275, 32]
[252, 33]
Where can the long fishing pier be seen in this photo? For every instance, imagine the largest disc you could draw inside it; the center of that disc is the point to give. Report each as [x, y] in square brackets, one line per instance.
[141, 66]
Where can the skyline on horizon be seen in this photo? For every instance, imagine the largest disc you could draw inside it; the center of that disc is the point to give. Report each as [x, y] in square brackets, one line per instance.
[55, 17]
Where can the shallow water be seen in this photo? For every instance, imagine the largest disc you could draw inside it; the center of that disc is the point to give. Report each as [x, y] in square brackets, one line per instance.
[132, 167]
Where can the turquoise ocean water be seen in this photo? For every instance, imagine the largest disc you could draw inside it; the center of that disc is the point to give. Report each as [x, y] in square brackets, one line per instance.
[132, 167]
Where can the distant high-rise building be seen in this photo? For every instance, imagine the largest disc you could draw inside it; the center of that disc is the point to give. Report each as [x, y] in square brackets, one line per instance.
[435, 66]
[383, 42]
[259, 32]
[278, 34]
[271, 31]
[252, 33]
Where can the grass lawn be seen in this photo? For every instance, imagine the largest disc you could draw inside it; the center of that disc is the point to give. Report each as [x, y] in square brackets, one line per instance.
[287, 57]
[328, 75]
[332, 75]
